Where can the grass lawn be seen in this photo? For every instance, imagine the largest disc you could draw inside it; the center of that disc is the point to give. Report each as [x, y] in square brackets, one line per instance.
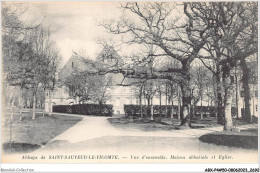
[165, 124]
[244, 139]
[31, 134]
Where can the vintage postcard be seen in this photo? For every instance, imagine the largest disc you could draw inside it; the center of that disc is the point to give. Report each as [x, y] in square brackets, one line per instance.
[129, 82]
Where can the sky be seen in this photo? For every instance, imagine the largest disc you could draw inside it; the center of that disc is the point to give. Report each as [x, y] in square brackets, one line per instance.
[74, 25]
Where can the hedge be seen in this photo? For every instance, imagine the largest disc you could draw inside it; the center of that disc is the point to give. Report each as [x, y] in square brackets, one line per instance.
[211, 110]
[205, 110]
[134, 110]
[85, 109]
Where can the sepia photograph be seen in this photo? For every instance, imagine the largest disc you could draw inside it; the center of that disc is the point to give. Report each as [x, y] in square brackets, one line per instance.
[129, 82]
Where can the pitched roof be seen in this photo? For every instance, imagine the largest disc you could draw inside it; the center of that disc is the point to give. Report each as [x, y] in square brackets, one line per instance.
[74, 63]
[110, 57]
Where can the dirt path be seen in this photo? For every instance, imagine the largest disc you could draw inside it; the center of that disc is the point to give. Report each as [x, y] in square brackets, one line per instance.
[88, 128]
[96, 127]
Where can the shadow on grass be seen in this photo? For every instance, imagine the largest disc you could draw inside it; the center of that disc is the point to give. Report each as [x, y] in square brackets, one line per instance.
[232, 140]
[250, 130]
[20, 147]
[29, 134]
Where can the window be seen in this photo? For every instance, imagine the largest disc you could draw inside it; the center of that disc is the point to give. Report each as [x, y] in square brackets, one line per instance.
[71, 91]
[57, 93]
[127, 100]
[117, 101]
[256, 108]
[137, 101]
[256, 93]
[72, 64]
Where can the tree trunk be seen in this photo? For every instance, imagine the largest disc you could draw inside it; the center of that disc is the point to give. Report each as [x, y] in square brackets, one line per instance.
[201, 114]
[166, 109]
[192, 111]
[100, 108]
[160, 104]
[253, 104]
[246, 88]
[208, 96]
[152, 118]
[201, 100]
[26, 102]
[186, 94]
[144, 104]
[172, 110]
[219, 96]
[186, 104]
[11, 130]
[238, 105]
[229, 91]
[228, 117]
[171, 98]
[34, 106]
[141, 106]
[179, 102]
[50, 102]
[148, 111]
[11, 125]
[216, 107]
[20, 105]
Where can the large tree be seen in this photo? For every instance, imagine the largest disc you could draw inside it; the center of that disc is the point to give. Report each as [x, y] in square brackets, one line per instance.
[30, 57]
[234, 39]
[45, 61]
[155, 24]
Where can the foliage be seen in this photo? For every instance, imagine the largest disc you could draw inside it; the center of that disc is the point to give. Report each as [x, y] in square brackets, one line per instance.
[224, 32]
[86, 85]
[30, 57]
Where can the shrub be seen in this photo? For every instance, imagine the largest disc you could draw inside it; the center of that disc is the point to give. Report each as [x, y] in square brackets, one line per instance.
[205, 110]
[211, 110]
[135, 110]
[85, 109]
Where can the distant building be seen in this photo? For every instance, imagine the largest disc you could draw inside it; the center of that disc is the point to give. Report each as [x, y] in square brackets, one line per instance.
[121, 90]
[119, 94]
